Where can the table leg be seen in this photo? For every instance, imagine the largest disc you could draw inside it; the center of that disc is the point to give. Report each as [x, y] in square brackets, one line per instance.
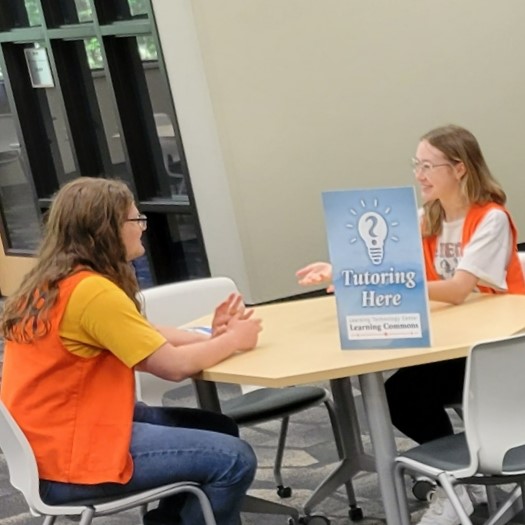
[382, 436]
[354, 459]
[346, 411]
[207, 396]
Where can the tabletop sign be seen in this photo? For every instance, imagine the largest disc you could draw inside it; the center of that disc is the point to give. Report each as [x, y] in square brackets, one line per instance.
[375, 249]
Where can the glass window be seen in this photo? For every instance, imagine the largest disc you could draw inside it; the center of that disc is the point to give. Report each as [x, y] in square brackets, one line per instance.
[33, 12]
[104, 109]
[52, 107]
[94, 53]
[147, 48]
[166, 126]
[84, 10]
[143, 272]
[107, 109]
[185, 247]
[110, 124]
[138, 7]
[17, 201]
[4, 103]
[68, 12]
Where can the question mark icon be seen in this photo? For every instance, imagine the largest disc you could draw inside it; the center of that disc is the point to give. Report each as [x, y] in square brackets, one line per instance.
[373, 230]
[372, 220]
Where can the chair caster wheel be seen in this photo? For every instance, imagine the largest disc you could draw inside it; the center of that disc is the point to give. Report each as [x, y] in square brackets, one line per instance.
[284, 492]
[422, 489]
[314, 519]
[355, 513]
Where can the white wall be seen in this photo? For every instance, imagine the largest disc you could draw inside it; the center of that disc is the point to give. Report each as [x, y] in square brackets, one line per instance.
[280, 100]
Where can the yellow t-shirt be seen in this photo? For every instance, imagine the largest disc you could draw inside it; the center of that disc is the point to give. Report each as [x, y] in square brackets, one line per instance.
[100, 316]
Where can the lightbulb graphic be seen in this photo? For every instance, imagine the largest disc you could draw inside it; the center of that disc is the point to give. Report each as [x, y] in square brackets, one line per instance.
[373, 229]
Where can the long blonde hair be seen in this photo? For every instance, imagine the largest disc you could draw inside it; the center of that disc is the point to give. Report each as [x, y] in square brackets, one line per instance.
[478, 184]
[82, 231]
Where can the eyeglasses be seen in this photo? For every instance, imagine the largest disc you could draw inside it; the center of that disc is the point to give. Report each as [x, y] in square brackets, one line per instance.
[425, 165]
[142, 221]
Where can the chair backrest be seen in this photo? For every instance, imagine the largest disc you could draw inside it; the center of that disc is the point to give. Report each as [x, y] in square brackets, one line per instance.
[521, 257]
[494, 401]
[21, 463]
[19, 456]
[179, 303]
[176, 304]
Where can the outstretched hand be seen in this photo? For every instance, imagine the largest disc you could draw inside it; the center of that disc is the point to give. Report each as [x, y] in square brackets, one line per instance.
[315, 273]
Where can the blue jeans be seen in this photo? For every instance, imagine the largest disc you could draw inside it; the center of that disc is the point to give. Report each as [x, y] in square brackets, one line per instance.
[178, 444]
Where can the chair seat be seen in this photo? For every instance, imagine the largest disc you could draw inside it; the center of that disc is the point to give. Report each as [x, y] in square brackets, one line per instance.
[105, 505]
[451, 453]
[271, 403]
[447, 453]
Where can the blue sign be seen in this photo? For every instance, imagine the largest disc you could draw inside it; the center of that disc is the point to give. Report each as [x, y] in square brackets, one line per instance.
[375, 249]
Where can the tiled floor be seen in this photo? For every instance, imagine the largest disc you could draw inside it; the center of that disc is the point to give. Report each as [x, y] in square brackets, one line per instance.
[310, 456]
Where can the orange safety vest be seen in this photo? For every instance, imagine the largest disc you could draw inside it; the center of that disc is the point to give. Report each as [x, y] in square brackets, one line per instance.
[76, 412]
[515, 279]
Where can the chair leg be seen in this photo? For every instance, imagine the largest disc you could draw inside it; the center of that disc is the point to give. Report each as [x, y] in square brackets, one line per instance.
[87, 516]
[492, 501]
[508, 509]
[447, 486]
[401, 494]
[143, 509]
[282, 491]
[49, 520]
[207, 511]
[522, 487]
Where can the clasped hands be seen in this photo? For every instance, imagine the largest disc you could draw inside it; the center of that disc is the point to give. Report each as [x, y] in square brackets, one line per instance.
[228, 312]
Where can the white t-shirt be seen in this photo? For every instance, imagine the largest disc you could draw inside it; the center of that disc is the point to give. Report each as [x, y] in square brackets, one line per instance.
[486, 255]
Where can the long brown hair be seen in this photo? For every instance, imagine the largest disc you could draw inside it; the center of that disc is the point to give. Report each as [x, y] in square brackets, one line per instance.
[478, 184]
[82, 231]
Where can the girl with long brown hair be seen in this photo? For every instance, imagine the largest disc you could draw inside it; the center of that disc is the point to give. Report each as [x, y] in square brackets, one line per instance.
[74, 335]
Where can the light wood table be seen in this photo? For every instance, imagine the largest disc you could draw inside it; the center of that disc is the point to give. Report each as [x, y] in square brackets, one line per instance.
[300, 344]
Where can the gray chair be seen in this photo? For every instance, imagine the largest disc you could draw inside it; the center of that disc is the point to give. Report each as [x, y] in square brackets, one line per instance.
[23, 476]
[183, 302]
[422, 488]
[491, 451]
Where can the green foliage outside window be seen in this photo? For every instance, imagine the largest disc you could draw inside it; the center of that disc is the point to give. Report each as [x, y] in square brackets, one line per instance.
[138, 7]
[84, 10]
[33, 12]
[94, 53]
[147, 48]
[146, 44]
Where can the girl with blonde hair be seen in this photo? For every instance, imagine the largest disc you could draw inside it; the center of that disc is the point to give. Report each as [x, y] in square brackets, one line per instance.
[469, 245]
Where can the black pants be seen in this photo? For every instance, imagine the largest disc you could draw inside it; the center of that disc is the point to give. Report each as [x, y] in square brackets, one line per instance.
[417, 396]
[185, 417]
